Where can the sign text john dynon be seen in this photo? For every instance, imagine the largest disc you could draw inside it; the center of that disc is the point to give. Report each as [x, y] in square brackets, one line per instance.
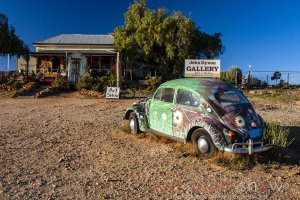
[202, 68]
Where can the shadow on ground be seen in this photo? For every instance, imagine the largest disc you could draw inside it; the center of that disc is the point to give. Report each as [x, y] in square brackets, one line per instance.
[275, 158]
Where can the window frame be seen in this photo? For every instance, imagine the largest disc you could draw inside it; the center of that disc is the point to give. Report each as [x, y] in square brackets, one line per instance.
[192, 93]
[161, 90]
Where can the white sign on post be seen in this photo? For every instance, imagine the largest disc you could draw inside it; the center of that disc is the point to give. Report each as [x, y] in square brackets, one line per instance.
[202, 68]
[112, 92]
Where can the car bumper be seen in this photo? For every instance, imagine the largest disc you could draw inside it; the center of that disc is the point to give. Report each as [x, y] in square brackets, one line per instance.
[249, 148]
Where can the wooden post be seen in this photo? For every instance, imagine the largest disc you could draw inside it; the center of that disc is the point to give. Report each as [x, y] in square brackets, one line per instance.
[27, 68]
[249, 79]
[119, 71]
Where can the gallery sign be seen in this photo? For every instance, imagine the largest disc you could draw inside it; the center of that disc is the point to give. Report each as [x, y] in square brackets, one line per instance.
[202, 68]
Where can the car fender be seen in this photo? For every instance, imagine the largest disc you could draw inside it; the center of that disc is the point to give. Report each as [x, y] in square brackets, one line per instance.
[140, 112]
[212, 128]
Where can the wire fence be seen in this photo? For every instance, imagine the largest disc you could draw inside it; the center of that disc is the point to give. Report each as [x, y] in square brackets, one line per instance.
[291, 77]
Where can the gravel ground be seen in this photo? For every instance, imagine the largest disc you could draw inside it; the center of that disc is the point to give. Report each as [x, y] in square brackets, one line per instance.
[72, 148]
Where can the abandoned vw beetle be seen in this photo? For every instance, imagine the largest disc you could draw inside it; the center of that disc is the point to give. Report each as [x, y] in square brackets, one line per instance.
[210, 113]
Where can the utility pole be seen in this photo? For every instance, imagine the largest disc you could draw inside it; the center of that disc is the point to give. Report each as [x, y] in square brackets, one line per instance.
[8, 58]
[249, 77]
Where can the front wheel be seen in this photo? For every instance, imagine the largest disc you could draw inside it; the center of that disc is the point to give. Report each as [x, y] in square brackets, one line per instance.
[203, 144]
[133, 123]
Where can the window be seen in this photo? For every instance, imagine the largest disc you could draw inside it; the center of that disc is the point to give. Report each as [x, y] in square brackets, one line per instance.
[187, 98]
[158, 94]
[165, 95]
[230, 97]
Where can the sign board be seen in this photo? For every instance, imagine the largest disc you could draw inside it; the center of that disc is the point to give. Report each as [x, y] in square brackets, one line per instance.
[112, 92]
[202, 68]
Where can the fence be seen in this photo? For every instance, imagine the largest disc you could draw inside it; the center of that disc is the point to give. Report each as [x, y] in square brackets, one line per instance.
[291, 77]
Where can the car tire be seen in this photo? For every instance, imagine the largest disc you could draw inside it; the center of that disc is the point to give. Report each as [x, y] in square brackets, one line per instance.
[133, 123]
[203, 144]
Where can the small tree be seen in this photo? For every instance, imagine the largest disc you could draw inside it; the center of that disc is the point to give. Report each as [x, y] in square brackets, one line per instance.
[233, 75]
[9, 41]
[255, 82]
[152, 38]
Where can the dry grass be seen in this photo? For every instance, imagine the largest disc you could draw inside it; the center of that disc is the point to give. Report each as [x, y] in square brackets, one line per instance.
[231, 161]
[235, 161]
[7, 94]
[124, 126]
[277, 135]
[275, 95]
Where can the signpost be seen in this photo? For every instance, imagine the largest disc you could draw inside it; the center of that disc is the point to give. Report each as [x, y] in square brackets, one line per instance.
[113, 92]
[202, 68]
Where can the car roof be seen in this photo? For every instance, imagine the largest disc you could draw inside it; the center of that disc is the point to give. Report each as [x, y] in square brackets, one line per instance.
[205, 86]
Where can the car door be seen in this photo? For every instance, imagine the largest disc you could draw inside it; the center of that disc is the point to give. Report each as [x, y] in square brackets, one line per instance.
[186, 110]
[160, 111]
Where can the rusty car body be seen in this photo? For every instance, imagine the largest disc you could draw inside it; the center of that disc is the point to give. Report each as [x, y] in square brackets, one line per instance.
[210, 113]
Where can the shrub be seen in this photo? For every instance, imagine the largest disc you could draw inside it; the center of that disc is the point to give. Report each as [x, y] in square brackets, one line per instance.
[3, 79]
[282, 84]
[277, 135]
[18, 84]
[61, 83]
[255, 82]
[98, 83]
[154, 83]
[10, 82]
[233, 75]
[85, 82]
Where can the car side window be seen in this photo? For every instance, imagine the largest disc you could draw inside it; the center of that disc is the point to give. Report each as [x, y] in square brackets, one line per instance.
[158, 94]
[167, 95]
[187, 98]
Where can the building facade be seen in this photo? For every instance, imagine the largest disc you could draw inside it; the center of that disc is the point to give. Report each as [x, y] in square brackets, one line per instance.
[73, 55]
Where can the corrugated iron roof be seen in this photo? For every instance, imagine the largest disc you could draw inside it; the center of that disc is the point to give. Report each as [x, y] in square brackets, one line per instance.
[84, 52]
[79, 39]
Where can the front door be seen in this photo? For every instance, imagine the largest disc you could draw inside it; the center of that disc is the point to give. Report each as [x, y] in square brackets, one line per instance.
[161, 116]
[75, 69]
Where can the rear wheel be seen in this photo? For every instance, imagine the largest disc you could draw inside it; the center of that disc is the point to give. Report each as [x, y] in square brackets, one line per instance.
[133, 123]
[203, 144]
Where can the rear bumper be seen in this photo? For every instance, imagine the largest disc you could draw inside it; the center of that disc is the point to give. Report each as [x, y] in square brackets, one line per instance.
[249, 148]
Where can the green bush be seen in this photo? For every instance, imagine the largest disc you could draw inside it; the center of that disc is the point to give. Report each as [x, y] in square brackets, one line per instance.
[282, 84]
[255, 82]
[154, 83]
[233, 75]
[61, 83]
[98, 83]
[277, 135]
[10, 82]
[3, 79]
[18, 84]
[85, 82]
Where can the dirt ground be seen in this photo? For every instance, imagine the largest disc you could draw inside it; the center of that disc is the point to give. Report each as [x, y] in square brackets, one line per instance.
[72, 148]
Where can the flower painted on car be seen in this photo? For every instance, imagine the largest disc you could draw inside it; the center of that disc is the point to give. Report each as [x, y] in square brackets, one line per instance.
[239, 121]
[178, 117]
[164, 117]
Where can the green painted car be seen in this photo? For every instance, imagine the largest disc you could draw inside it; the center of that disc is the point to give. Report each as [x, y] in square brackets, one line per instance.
[210, 113]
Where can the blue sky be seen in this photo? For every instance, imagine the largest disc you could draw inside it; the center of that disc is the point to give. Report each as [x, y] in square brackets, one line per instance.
[263, 33]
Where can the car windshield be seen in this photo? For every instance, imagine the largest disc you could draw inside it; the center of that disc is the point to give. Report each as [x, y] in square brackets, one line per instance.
[231, 97]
